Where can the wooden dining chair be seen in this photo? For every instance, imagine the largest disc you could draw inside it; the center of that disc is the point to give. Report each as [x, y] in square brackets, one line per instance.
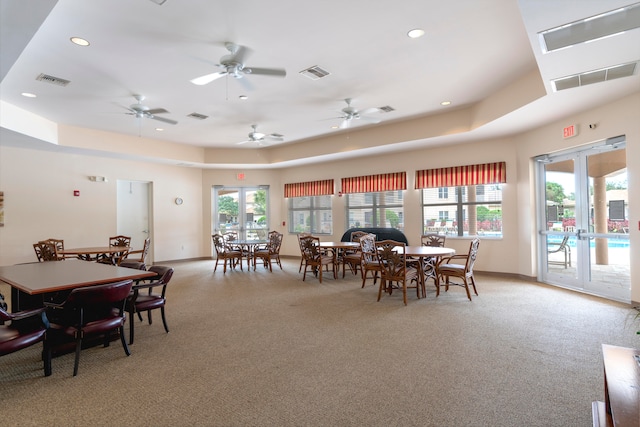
[352, 258]
[138, 258]
[429, 263]
[396, 273]
[460, 266]
[369, 258]
[269, 253]
[115, 258]
[46, 251]
[301, 254]
[315, 258]
[225, 254]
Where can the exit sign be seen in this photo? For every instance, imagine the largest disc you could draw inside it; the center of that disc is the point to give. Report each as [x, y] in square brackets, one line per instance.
[569, 131]
[240, 176]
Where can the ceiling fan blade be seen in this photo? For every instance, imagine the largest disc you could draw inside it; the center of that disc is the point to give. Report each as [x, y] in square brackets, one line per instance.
[243, 142]
[370, 111]
[275, 72]
[241, 53]
[345, 124]
[208, 78]
[162, 119]
[157, 111]
[274, 137]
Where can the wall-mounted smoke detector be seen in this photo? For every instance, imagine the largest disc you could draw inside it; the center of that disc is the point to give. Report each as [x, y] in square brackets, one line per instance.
[53, 80]
[314, 73]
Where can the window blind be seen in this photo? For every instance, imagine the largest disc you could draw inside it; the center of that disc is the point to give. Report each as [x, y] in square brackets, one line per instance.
[374, 183]
[309, 188]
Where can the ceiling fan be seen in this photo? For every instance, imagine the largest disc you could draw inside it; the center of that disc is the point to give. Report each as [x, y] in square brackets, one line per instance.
[142, 111]
[233, 65]
[349, 113]
[255, 136]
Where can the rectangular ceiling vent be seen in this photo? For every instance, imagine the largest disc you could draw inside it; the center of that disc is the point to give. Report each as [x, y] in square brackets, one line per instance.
[315, 72]
[595, 27]
[595, 76]
[53, 80]
[386, 109]
[197, 116]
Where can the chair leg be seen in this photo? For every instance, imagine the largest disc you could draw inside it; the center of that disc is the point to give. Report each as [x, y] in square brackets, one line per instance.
[46, 357]
[77, 361]
[466, 288]
[149, 316]
[131, 327]
[473, 283]
[164, 319]
[124, 342]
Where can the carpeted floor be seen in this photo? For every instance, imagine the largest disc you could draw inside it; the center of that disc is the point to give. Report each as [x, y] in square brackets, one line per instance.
[267, 349]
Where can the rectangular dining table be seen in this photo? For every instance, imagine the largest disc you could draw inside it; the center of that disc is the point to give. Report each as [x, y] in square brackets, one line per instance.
[93, 253]
[34, 280]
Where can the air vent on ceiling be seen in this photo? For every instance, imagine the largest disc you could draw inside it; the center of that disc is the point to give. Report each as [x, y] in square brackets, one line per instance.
[595, 76]
[386, 109]
[315, 72]
[53, 80]
[596, 27]
[197, 116]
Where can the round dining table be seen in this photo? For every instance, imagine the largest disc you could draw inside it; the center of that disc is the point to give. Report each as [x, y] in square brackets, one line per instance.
[428, 258]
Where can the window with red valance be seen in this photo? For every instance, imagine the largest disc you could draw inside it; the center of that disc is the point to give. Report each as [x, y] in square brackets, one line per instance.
[309, 188]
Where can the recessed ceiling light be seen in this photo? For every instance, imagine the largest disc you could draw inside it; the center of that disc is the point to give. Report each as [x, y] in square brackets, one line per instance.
[416, 33]
[160, 129]
[243, 97]
[79, 41]
[28, 95]
[445, 103]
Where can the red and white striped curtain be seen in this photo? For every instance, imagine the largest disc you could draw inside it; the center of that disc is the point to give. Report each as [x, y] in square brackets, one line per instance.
[374, 183]
[488, 173]
[310, 188]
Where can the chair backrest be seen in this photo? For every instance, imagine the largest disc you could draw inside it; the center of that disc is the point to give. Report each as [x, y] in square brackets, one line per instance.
[58, 242]
[230, 236]
[368, 248]
[46, 251]
[108, 293]
[433, 239]
[310, 247]
[145, 249]
[393, 259]
[163, 273]
[473, 254]
[356, 235]
[219, 243]
[275, 242]
[120, 241]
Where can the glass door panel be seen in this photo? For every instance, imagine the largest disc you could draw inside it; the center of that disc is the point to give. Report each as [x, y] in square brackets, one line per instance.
[583, 220]
[241, 210]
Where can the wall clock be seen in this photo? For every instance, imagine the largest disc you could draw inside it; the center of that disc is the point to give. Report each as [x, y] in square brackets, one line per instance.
[179, 200]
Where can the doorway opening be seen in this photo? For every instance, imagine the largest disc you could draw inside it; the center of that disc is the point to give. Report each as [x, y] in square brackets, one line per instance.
[243, 210]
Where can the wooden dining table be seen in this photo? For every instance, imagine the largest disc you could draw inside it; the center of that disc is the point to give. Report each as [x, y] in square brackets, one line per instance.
[92, 253]
[249, 245]
[33, 281]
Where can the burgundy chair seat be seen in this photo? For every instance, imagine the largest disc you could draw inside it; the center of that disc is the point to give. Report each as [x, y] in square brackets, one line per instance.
[13, 340]
[23, 329]
[148, 302]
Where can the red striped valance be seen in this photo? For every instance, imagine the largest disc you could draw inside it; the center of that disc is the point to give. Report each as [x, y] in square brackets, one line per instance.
[310, 188]
[374, 183]
[488, 173]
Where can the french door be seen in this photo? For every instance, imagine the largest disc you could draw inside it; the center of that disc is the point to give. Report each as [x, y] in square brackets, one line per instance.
[243, 210]
[583, 221]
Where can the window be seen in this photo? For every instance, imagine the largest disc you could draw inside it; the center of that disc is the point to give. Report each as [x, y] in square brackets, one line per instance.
[475, 205]
[379, 209]
[473, 212]
[310, 214]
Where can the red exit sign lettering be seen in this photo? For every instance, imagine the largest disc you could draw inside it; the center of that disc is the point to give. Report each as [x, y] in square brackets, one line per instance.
[569, 131]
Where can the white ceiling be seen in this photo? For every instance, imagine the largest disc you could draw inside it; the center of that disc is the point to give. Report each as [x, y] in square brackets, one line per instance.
[471, 49]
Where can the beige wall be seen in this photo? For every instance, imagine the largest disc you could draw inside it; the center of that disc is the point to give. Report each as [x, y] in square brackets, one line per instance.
[39, 202]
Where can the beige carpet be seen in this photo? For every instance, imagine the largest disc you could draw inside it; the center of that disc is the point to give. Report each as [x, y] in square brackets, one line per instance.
[267, 349]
